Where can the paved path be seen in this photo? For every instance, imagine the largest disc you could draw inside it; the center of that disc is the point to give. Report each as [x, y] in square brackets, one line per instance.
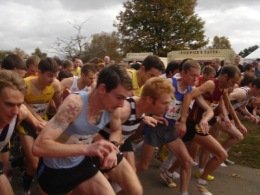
[232, 180]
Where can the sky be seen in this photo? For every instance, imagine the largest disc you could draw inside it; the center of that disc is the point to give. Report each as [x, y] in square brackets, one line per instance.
[28, 24]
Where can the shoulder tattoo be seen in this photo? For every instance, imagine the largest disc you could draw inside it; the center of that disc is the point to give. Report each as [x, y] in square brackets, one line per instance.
[65, 115]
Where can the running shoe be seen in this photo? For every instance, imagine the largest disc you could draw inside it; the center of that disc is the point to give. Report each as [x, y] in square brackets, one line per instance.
[229, 162]
[202, 189]
[168, 180]
[194, 164]
[209, 177]
[163, 168]
[223, 165]
[173, 175]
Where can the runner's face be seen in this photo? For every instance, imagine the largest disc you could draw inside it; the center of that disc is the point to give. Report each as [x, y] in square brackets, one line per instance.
[115, 98]
[161, 105]
[153, 72]
[191, 76]
[47, 78]
[10, 102]
[32, 70]
[230, 82]
[77, 63]
[89, 78]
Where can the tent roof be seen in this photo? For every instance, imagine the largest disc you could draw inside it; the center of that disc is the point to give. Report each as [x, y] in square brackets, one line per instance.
[255, 54]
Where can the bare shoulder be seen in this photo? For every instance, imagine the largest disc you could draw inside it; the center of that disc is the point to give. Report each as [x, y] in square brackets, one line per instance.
[23, 112]
[56, 85]
[208, 86]
[169, 80]
[67, 82]
[70, 109]
[125, 111]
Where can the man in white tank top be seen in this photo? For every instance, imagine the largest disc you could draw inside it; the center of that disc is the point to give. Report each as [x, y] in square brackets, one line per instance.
[85, 82]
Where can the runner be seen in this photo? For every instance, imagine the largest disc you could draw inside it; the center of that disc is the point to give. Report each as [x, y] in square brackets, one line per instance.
[212, 92]
[12, 91]
[154, 99]
[167, 133]
[41, 90]
[86, 81]
[65, 142]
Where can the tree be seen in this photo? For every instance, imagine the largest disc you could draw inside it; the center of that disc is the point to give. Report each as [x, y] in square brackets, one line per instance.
[20, 52]
[17, 51]
[39, 53]
[160, 26]
[101, 45]
[247, 51]
[220, 43]
[73, 45]
[4, 53]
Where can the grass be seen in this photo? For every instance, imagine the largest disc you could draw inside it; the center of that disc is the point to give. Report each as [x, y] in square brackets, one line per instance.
[247, 153]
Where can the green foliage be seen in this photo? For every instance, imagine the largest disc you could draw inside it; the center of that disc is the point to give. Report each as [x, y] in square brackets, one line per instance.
[4, 53]
[220, 43]
[20, 52]
[247, 152]
[160, 26]
[39, 53]
[17, 51]
[247, 51]
[103, 44]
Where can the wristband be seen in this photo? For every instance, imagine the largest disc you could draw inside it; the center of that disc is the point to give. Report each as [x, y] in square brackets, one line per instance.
[115, 143]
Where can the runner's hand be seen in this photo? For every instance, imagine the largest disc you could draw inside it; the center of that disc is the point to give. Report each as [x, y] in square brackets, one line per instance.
[242, 129]
[109, 161]
[204, 126]
[101, 149]
[39, 126]
[150, 121]
[226, 122]
[161, 120]
[65, 93]
[181, 128]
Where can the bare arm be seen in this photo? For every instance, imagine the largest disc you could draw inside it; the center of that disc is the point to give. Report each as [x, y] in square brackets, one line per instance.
[115, 126]
[46, 146]
[25, 114]
[231, 111]
[205, 87]
[238, 95]
[57, 95]
[208, 114]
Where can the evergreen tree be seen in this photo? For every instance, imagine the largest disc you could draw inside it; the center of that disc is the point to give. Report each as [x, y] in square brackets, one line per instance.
[247, 51]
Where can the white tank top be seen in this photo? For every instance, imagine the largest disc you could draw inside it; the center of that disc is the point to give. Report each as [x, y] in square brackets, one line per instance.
[74, 86]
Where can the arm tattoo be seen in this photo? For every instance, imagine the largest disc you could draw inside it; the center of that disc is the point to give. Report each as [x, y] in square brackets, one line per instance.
[65, 115]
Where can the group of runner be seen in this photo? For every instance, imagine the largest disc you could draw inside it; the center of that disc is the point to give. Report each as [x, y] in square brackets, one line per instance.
[76, 133]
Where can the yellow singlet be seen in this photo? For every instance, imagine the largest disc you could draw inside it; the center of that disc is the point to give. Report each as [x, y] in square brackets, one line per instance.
[38, 102]
[76, 72]
[137, 90]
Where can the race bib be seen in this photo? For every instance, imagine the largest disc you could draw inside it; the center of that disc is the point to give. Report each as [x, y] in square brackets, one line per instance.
[80, 139]
[174, 112]
[40, 108]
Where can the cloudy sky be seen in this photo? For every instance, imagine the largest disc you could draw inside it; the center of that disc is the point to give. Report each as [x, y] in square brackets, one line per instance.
[28, 24]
